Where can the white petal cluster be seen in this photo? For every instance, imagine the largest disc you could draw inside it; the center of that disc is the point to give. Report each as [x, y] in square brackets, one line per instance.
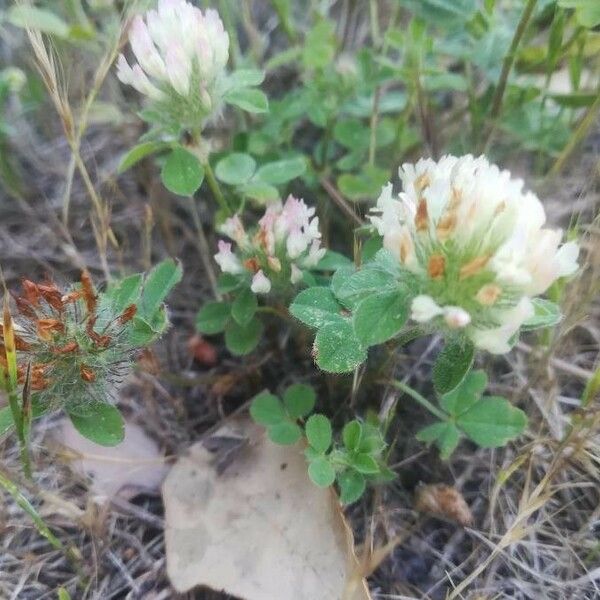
[476, 242]
[180, 51]
[286, 241]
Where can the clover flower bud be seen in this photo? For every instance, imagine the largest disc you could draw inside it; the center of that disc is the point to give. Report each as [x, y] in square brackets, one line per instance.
[227, 260]
[476, 243]
[260, 283]
[181, 54]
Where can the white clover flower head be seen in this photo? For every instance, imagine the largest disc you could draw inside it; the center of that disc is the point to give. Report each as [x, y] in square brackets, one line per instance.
[261, 284]
[476, 243]
[181, 55]
[286, 241]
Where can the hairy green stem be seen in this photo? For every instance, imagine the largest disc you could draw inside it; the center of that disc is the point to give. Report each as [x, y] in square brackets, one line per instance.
[216, 189]
[420, 399]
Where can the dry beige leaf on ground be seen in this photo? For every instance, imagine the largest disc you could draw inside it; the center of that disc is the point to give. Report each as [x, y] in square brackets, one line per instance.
[135, 465]
[259, 530]
[444, 501]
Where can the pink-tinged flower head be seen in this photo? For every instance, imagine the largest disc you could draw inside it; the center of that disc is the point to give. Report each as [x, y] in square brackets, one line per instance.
[286, 241]
[175, 45]
[476, 241]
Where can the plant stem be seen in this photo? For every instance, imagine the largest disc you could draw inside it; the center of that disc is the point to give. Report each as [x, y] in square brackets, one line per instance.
[10, 384]
[586, 122]
[22, 501]
[420, 399]
[373, 126]
[374, 19]
[284, 20]
[204, 249]
[216, 189]
[507, 65]
[17, 416]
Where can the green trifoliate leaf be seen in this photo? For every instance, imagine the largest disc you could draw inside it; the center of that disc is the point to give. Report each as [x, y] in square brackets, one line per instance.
[124, 292]
[319, 46]
[352, 486]
[299, 400]
[386, 261]
[587, 12]
[452, 364]
[352, 134]
[40, 19]
[311, 453]
[182, 172]
[337, 349]
[244, 307]
[365, 463]
[157, 284]
[243, 78]
[445, 436]
[228, 282]
[321, 472]
[492, 422]
[248, 99]
[363, 283]
[466, 394]
[143, 332]
[213, 317]
[370, 249]
[379, 317]
[242, 340]
[260, 191]
[366, 184]
[281, 171]
[371, 441]
[340, 277]
[351, 435]
[352, 159]
[102, 424]
[139, 152]
[547, 314]
[285, 433]
[316, 306]
[267, 409]
[332, 261]
[235, 168]
[318, 433]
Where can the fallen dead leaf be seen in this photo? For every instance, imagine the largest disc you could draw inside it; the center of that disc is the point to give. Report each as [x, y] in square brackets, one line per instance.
[445, 501]
[259, 530]
[135, 465]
